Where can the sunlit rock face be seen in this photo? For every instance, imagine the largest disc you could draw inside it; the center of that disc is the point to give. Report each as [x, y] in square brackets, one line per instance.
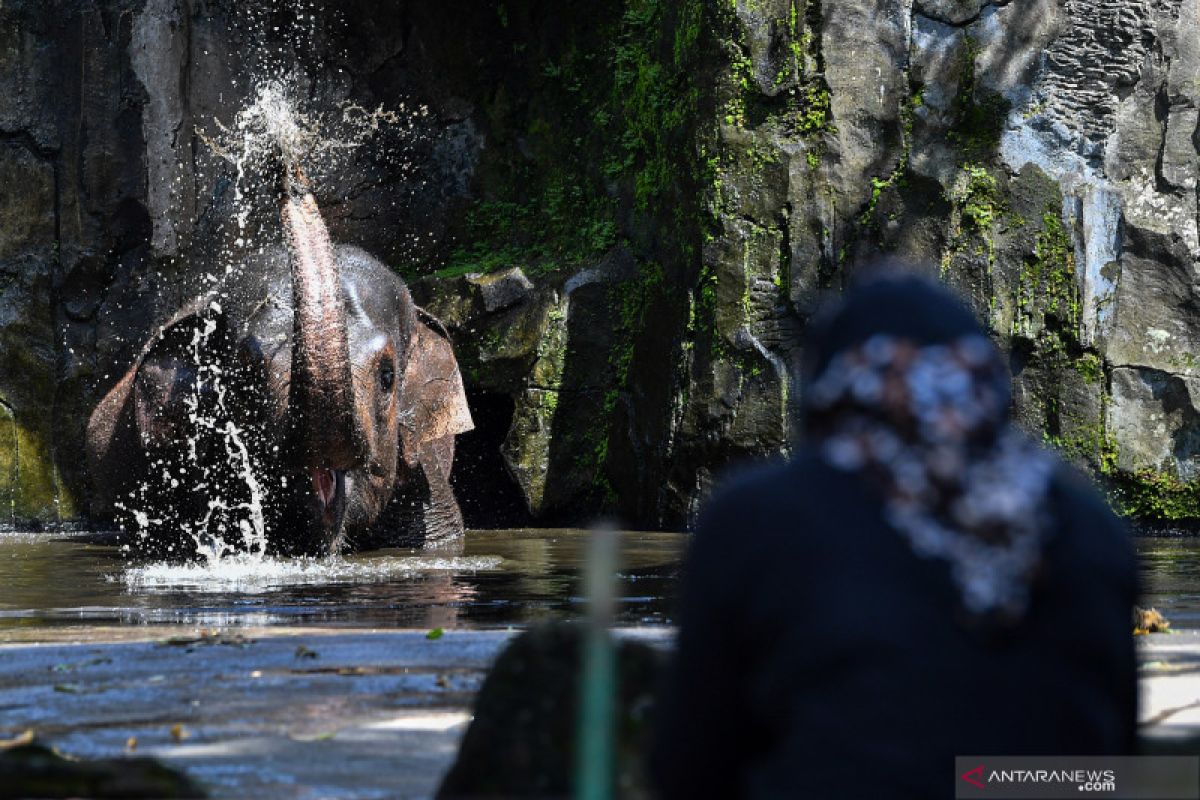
[1039, 157]
[626, 214]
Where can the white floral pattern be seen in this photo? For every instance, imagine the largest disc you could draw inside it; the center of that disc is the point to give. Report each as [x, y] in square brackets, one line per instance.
[928, 425]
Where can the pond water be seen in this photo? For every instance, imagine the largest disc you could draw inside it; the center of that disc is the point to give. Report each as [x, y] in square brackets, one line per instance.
[1170, 577]
[501, 578]
[58, 583]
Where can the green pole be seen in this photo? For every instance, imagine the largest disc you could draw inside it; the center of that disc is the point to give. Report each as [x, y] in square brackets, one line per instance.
[594, 756]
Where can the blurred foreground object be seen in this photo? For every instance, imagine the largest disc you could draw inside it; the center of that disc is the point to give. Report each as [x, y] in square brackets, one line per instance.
[29, 769]
[594, 729]
[920, 582]
[522, 739]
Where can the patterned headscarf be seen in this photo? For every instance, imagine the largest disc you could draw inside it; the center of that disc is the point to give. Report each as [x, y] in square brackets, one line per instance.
[923, 416]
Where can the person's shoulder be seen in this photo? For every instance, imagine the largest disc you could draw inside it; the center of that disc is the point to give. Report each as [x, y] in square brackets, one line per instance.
[748, 481]
[1082, 496]
[773, 480]
[756, 493]
[1082, 508]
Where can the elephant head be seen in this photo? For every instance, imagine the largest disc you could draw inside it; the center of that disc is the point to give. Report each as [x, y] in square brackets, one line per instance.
[347, 396]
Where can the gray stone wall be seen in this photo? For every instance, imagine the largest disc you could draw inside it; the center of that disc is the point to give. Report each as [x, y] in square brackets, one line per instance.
[1040, 156]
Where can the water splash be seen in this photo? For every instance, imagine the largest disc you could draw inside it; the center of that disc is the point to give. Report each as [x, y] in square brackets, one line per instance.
[218, 423]
[283, 124]
[274, 133]
[248, 573]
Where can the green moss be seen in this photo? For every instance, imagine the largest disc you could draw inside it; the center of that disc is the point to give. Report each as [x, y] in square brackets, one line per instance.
[655, 97]
[592, 118]
[566, 225]
[1047, 294]
[702, 322]
[34, 490]
[1159, 496]
[1184, 361]
[977, 203]
[976, 195]
[742, 70]
[1086, 444]
[606, 111]
[1055, 260]
[813, 116]
[8, 463]
[805, 109]
[979, 114]
[1090, 367]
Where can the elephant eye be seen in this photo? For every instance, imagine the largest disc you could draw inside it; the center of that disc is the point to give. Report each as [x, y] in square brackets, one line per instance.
[387, 376]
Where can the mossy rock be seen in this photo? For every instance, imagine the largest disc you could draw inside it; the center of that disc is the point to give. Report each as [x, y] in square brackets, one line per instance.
[30, 488]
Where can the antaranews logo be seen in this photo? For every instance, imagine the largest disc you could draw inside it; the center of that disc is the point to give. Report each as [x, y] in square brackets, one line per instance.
[1082, 780]
[1123, 777]
[975, 777]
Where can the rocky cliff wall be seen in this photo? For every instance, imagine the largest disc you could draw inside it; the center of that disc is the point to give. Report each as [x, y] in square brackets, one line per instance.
[1039, 156]
[626, 210]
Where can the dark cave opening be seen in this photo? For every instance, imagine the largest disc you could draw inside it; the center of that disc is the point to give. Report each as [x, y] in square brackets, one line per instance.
[487, 493]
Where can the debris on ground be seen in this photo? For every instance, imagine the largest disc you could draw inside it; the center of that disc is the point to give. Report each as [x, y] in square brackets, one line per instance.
[1149, 620]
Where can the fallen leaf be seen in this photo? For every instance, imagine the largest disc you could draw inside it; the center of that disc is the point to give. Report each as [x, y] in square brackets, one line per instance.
[131, 743]
[1149, 620]
[435, 634]
[178, 732]
[67, 688]
[71, 666]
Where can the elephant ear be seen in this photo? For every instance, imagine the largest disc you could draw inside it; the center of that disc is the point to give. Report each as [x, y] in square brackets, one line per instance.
[145, 409]
[433, 403]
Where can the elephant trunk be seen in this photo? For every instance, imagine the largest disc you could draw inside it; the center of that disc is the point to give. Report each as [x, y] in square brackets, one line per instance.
[322, 392]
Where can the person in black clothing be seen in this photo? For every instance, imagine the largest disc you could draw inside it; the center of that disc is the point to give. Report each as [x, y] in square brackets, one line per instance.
[921, 581]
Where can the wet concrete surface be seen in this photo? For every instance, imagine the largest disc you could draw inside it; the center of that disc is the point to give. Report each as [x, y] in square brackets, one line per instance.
[1169, 690]
[277, 713]
[288, 714]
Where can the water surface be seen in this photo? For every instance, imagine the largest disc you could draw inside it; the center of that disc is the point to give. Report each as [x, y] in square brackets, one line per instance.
[501, 578]
[59, 583]
[1170, 577]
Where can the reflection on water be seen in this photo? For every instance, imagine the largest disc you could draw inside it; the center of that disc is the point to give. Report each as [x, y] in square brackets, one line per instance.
[1170, 577]
[501, 578]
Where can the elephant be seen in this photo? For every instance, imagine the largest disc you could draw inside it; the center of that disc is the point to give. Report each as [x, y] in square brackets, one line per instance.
[304, 395]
